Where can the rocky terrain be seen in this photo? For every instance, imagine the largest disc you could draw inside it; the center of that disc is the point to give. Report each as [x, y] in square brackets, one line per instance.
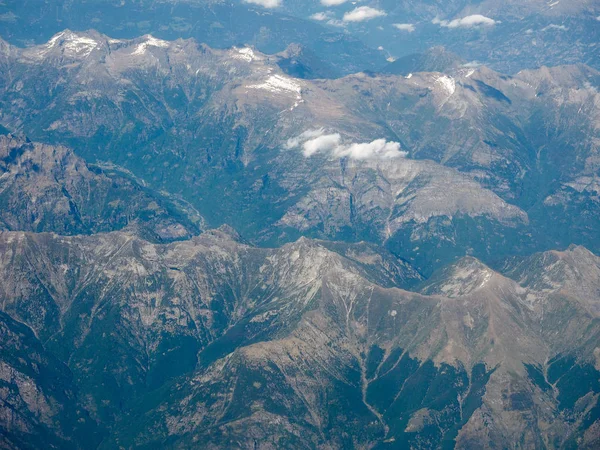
[48, 188]
[507, 35]
[218, 23]
[214, 341]
[184, 118]
[236, 225]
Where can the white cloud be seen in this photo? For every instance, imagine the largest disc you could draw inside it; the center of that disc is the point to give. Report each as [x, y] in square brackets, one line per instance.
[553, 26]
[325, 143]
[320, 16]
[363, 13]
[475, 20]
[316, 141]
[408, 27]
[309, 134]
[379, 148]
[265, 3]
[333, 2]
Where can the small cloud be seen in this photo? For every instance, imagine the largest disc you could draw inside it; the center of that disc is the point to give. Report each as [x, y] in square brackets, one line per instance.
[316, 141]
[333, 2]
[336, 23]
[320, 16]
[408, 27]
[377, 149]
[380, 48]
[363, 13]
[265, 3]
[309, 134]
[325, 143]
[473, 21]
[553, 26]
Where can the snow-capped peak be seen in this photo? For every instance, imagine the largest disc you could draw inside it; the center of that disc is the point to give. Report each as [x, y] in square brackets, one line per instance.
[245, 54]
[149, 41]
[73, 43]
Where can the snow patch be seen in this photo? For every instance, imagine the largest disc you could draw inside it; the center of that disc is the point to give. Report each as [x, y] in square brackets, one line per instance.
[73, 43]
[245, 54]
[150, 41]
[279, 84]
[447, 84]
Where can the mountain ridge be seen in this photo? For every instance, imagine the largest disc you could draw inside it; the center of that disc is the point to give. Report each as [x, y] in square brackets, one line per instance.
[226, 248]
[325, 294]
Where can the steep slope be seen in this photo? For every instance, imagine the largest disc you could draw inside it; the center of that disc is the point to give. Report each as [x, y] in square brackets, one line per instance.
[38, 397]
[300, 62]
[48, 188]
[560, 281]
[136, 314]
[189, 119]
[531, 138]
[214, 342]
[332, 159]
[386, 368]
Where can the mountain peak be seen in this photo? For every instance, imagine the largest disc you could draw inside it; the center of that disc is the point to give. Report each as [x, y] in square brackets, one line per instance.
[466, 275]
[298, 61]
[575, 271]
[70, 44]
[80, 44]
[148, 41]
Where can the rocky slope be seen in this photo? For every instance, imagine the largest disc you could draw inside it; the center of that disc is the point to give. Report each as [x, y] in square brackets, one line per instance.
[214, 342]
[38, 397]
[154, 307]
[331, 159]
[48, 188]
[372, 299]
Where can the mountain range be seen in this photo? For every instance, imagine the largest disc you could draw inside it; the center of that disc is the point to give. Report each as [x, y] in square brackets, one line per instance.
[213, 342]
[251, 231]
[481, 163]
